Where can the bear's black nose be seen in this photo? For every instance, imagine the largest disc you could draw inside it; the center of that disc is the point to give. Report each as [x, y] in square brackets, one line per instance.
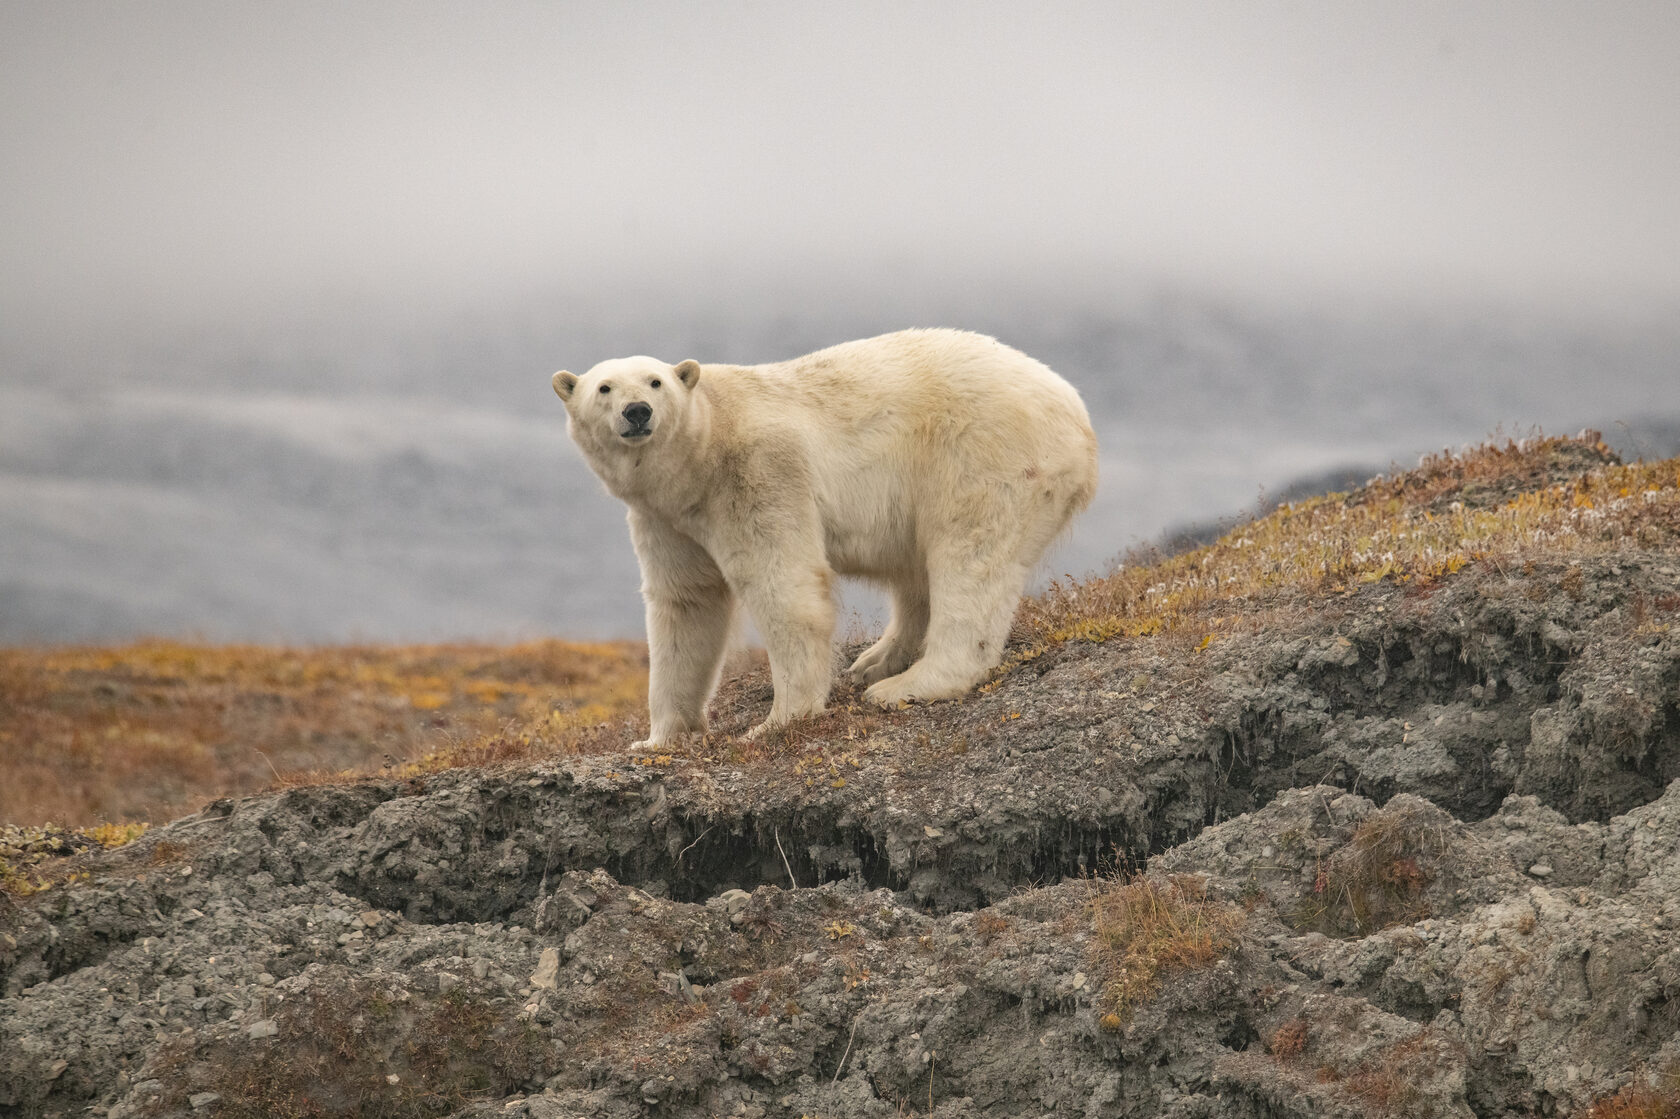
[638, 413]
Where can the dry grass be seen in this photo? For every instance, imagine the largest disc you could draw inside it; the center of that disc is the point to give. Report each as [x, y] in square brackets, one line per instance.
[1641, 1101]
[1545, 496]
[151, 730]
[1150, 927]
[1389, 1081]
[1378, 878]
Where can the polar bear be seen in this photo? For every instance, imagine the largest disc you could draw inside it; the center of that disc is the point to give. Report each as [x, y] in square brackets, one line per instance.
[938, 463]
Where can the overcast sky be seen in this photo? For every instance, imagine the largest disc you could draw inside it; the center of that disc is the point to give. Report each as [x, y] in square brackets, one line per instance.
[197, 165]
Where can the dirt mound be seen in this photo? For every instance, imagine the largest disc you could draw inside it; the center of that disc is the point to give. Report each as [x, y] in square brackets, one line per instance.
[1405, 846]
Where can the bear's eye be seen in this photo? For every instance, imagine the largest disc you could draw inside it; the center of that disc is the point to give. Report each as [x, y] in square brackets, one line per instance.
[656, 382]
[605, 389]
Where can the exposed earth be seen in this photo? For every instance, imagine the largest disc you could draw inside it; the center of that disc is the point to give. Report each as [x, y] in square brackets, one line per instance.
[1399, 848]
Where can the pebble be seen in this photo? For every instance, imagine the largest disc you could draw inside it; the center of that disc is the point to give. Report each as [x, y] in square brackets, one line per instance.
[1541, 870]
[202, 1100]
[547, 974]
[733, 901]
[268, 1027]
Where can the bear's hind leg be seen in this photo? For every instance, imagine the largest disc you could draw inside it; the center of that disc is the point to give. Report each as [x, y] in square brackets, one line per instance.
[971, 605]
[901, 644]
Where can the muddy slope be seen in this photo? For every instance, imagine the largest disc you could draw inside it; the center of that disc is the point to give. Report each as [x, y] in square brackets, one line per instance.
[1443, 824]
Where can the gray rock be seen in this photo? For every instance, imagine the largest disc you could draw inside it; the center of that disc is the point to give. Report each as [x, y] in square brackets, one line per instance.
[1379, 825]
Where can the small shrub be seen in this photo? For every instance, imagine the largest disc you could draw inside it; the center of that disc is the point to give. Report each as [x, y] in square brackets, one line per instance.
[1290, 1039]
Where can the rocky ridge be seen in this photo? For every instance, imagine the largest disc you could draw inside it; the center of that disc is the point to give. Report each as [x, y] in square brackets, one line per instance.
[1418, 849]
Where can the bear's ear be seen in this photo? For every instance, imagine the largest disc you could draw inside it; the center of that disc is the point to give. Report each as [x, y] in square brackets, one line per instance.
[564, 383]
[688, 372]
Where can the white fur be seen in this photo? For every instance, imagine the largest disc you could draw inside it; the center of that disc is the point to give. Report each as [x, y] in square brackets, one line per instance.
[938, 463]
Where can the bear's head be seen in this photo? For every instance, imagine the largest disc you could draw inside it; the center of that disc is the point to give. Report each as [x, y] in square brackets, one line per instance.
[628, 402]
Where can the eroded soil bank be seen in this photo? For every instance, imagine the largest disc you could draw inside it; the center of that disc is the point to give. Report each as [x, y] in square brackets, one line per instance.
[1421, 849]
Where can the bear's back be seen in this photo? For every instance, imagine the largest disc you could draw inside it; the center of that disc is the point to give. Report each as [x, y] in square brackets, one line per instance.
[886, 429]
[900, 381]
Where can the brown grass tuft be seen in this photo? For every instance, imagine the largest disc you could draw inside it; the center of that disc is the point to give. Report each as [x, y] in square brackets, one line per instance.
[1289, 1040]
[1150, 927]
[1379, 877]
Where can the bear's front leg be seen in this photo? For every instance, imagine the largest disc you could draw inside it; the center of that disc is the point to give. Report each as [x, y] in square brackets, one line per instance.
[690, 614]
[794, 610]
[686, 642]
